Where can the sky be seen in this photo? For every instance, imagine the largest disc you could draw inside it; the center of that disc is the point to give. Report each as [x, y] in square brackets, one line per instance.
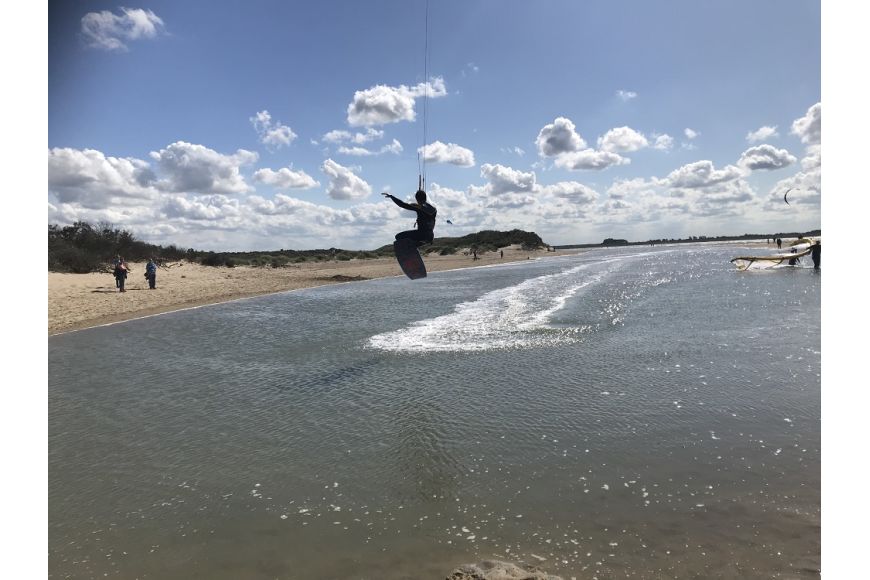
[228, 125]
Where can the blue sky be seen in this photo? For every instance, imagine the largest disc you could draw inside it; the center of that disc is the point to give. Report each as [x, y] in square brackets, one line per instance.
[266, 125]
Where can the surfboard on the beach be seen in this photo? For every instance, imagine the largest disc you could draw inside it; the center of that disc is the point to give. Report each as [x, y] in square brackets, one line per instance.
[409, 258]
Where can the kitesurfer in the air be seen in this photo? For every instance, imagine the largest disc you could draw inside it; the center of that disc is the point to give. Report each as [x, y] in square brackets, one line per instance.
[425, 232]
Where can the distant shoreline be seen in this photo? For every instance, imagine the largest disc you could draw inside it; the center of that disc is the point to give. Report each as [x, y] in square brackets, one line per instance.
[80, 301]
[747, 238]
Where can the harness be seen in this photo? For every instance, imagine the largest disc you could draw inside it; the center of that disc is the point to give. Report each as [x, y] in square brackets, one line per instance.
[424, 221]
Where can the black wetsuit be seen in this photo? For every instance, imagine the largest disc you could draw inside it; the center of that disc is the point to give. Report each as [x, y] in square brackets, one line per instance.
[425, 232]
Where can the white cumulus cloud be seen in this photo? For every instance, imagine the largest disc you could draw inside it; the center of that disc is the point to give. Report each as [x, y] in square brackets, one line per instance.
[702, 174]
[722, 200]
[626, 96]
[561, 141]
[272, 134]
[559, 137]
[382, 104]
[809, 127]
[201, 207]
[285, 178]
[590, 159]
[766, 157]
[191, 168]
[806, 189]
[520, 202]
[280, 205]
[122, 215]
[663, 142]
[507, 179]
[762, 134]
[813, 158]
[107, 31]
[90, 178]
[451, 153]
[574, 191]
[690, 133]
[622, 140]
[634, 188]
[343, 182]
[456, 206]
[395, 148]
[341, 136]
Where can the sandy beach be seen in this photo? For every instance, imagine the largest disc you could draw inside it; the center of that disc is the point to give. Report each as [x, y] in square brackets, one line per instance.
[77, 301]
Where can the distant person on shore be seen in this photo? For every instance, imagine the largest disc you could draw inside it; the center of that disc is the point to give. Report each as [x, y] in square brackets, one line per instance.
[779, 243]
[425, 232]
[816, 254]
[151, 274]
[121, 271]
[501, 253]
[115, 261]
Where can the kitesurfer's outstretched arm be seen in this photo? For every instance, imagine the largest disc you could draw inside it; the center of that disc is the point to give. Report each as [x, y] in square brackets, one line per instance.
[400, 203]
[424, 210]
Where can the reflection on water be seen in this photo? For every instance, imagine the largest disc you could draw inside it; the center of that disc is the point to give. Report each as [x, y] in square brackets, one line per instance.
[629, 412]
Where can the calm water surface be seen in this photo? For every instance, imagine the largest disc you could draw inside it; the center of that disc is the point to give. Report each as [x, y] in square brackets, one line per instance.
[645, 412]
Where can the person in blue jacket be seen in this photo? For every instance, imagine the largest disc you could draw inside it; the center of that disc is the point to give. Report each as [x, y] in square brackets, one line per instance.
[151, 273]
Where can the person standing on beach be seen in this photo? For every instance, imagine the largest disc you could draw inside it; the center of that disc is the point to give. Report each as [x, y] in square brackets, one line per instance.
[151, 273]
[115, 262]
[121, 270]
[816, 254]
[425, 232]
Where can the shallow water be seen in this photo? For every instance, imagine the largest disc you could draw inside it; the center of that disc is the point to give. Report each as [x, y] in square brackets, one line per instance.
[637, 412]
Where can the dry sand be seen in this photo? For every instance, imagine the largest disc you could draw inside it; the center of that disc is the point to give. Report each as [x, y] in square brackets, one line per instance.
[78, 301]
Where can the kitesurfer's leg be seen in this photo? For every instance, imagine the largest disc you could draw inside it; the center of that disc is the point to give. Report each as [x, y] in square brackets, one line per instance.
[416, 235]
[425, 239]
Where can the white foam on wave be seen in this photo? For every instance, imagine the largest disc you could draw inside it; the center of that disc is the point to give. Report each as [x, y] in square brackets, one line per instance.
[513, 317]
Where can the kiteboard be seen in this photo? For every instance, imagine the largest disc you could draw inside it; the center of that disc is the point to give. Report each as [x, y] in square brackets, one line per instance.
[409, 258]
